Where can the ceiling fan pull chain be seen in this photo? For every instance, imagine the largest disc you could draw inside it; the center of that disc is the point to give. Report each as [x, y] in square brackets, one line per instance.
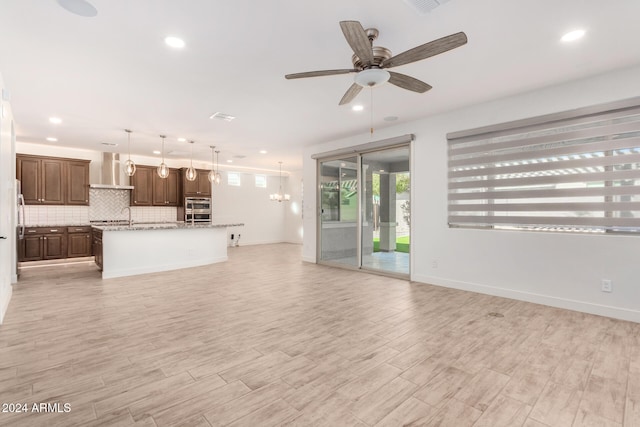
[371, 91]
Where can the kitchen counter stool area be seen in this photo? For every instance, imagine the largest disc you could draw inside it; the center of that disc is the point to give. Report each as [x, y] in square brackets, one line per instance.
[124, 250]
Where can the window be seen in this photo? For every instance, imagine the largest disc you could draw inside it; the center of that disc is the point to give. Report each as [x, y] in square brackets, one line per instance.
[233, 178]
[261, 181]
[575, 171]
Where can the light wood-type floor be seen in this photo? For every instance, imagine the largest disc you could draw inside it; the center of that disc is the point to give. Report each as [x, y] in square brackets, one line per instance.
[265, 339]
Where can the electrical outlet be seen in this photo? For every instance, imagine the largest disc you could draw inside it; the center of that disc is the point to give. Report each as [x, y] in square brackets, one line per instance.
[434, 263]
[606, 285]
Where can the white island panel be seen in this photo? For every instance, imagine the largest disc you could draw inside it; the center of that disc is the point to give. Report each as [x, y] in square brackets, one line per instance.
[141, 251]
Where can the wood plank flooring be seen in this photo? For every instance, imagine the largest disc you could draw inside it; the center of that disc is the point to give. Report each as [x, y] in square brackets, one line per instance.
[266, 340]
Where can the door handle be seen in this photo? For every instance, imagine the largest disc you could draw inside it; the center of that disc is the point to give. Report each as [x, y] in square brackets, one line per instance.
[3, 237]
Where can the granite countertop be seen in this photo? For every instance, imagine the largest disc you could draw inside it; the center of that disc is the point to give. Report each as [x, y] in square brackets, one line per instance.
[59, 225]
[162, 226]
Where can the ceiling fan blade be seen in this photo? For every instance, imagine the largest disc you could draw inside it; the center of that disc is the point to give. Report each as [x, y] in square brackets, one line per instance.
[319, 73]
[358, 40]
[427, 50]
[351, 93]
[408, 82]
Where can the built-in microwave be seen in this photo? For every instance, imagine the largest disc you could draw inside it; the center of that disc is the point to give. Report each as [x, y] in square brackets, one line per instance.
[197, 209]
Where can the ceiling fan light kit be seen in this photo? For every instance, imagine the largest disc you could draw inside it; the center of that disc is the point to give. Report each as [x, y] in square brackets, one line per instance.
[370, 62]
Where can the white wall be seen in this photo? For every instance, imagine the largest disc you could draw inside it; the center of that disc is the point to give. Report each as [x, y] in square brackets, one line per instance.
[7, 205]
[557, 269]
[264, 220]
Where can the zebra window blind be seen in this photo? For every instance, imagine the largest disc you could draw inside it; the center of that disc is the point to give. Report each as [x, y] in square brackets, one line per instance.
[577, 171]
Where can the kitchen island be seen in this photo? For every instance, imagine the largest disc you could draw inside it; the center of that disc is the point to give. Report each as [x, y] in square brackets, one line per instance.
[127, 250]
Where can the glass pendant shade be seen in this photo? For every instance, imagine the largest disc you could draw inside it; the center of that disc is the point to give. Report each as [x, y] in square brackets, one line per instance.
[191, 173]
[217, 178]
[129, 166]
[212, 176]
[163, 169]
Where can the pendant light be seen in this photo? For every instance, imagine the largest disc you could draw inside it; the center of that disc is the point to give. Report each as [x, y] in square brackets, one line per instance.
[129, 166]
[212, 172]
[217, 177]
[280, 196]
[191, 174]
[163, 169]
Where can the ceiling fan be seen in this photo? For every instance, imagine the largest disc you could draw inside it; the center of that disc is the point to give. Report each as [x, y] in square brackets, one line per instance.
[371, 62]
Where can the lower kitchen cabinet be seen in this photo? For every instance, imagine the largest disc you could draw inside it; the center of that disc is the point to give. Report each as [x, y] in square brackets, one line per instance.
[30, 248]
[43, 243]
[97, 247]
[78, 242]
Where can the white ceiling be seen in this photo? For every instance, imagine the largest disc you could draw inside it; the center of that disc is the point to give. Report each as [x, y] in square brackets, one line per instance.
[113, 71]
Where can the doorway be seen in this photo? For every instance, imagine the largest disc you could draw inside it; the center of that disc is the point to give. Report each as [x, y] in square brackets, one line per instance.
[365, 211]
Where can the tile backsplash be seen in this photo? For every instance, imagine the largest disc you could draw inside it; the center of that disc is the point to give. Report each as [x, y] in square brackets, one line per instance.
[107, 204]
[55, 215]
[104, 204]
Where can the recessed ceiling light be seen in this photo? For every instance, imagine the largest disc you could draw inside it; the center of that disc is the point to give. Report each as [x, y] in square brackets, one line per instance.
[52, 139]
[156, 151]
[390, 118]
[109, 144]
[182, 139]
[263, 151]
[176, 42]
[229, 161]
[573, 35]
[357, 108]
[55, 120]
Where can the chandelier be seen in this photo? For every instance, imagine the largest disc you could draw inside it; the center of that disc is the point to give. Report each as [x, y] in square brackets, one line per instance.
[280, 196]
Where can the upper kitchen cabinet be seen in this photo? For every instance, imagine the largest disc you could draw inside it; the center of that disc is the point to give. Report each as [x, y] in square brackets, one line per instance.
[77, 182]
[201, 187]
[166, 190]
[142, 182]
[45, 181]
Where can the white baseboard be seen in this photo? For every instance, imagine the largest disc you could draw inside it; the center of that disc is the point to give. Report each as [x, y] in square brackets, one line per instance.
[312, 260]
[5, 297]
[569, 304]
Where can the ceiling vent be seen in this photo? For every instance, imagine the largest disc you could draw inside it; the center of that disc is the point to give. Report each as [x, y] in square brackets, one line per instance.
[425, 6]
[222, 116]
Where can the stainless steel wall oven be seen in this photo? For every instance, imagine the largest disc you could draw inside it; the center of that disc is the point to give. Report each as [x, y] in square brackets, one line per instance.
[197, 209]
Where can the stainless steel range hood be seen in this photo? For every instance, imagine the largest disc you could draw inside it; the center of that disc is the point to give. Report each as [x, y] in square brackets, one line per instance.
[111, 173]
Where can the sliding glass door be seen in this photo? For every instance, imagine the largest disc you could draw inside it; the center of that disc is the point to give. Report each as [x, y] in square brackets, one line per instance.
[364, 219]
[339, 211]
[386, 210]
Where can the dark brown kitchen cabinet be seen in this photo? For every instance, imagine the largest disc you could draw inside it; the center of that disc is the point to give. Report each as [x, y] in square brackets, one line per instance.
[142, 181]
[55, 245]
[166, 190]
[77, 182]
[78, 242]
[97, 247]
[42, 179]
[43, 243]
[201, 187]
[53, 181]
[30, 248]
